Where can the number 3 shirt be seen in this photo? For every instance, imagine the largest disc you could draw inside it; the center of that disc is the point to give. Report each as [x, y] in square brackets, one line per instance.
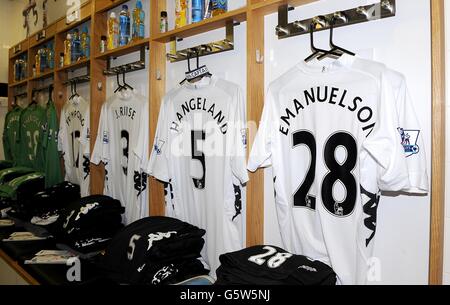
[332, 135]
[122, 144]
[199, 149]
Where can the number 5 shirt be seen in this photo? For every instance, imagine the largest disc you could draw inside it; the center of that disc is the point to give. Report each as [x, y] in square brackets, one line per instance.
[330, 132]
[200, 150]
[122, 144]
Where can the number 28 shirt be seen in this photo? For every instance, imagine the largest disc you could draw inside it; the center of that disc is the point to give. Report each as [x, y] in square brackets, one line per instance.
[122, 144]
[331, 134]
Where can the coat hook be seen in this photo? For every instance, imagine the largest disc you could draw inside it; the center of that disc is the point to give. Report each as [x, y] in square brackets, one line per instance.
[217, 46]
[279, 29]
[228, 42]
[319, 22]
[387, 5]
[363, 11]
[340, 16]
[171, 56]
[259, 57]
[300, 25]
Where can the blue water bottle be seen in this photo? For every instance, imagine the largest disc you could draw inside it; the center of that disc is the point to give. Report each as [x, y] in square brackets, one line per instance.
[197, 10]
[124, 26]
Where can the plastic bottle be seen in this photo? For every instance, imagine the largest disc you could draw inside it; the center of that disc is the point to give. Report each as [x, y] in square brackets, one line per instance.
[124, 26]
[38, 63]
[43, 61]
[51, 57]
[68, 50]
[16, 70]
[181, 13]
[198, 7]
[103, 44]
[61, 59]
[24, 69]
[219, 7]
[163, 25]
[113, 31]
[85, 43]
[141, 21]
[76, 46]
[138, 21]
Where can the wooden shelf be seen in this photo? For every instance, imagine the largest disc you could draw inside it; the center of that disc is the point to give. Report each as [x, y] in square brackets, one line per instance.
[20, 83]
[74, 25]
[271, 6]
[46, 74]
[133, 47]
[105, 5]
[41, 42]
[85, 15]
[74, 66]
[206, 25]
[18, 54]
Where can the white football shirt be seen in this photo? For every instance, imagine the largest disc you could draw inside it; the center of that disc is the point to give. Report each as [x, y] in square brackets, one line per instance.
[330, 132]
[122, 144]
[73, 141]
[200, 149]
[411, 137]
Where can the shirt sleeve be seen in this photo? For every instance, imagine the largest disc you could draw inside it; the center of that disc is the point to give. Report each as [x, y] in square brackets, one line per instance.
[159, 159]
[62, 132]
[261, 152]
[238, 140]
[6, 143]
[102, 140]
[383, 143]
[410, 134]
[85, 137]
[141, 149]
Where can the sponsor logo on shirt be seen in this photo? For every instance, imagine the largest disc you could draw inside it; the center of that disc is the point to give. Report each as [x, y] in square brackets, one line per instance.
[164, 273]
[308, 268]
[141, 268]
[409, 140]
[152, 237]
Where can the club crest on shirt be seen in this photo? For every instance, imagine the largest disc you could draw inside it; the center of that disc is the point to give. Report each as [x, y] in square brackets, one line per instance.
[159, 144]
[409, 139]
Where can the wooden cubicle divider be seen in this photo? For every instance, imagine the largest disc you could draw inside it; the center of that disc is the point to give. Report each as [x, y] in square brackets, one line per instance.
[436, 259]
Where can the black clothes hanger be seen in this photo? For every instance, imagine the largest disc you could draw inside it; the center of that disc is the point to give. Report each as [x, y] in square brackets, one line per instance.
[124, 83]
[119, 86]
[317, 51]
[71, 90]
[334, 47]
[188, 64]
[73, 87]
[33, 98]
[50, 91]
[200, 71]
